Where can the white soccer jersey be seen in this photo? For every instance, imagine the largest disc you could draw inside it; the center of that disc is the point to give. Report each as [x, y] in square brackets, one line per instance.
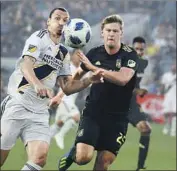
[167, 79]
[51, 61]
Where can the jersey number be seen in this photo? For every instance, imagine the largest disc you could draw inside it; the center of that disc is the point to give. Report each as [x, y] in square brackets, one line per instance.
[121, 138]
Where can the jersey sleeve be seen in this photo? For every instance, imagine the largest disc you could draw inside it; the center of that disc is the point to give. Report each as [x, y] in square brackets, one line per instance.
[131, 60]
[65, 69]
[89, 55]
[33, 46]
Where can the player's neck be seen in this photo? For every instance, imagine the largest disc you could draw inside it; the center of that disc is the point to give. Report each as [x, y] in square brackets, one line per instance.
[54, 37]
[112, 51]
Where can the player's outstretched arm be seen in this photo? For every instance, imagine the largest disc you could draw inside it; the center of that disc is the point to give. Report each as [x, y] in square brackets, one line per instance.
[122, 77]
[70, 85]
[27, 66]
[56, 100]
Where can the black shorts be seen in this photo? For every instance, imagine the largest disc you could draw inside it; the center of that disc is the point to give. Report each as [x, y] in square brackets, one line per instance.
[104, 133]
[136, 114]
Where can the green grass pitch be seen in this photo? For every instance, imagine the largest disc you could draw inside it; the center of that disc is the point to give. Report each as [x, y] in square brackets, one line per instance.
[162, 153]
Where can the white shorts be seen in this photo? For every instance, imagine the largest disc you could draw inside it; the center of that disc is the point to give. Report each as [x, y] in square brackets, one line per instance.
[14, 124]
[66, 110]
[169, 103]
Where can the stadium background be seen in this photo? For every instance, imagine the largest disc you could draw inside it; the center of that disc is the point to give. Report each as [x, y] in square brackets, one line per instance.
[154, 20]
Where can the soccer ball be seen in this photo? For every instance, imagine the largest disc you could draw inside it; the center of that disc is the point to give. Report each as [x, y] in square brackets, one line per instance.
[76, 33]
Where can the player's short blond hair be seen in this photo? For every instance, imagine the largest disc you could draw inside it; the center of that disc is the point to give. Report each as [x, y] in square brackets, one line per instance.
[112, 19]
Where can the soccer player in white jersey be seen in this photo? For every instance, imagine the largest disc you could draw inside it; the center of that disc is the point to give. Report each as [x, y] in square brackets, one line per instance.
[67, 114]
[25, 109]
[169, 82]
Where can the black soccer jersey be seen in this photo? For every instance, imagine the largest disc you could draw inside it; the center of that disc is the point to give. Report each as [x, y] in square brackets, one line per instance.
[109, 96]
[142, 64]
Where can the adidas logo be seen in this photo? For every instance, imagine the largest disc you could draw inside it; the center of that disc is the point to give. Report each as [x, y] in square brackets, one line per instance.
[97, 63]
[49, 48]
[62, 162]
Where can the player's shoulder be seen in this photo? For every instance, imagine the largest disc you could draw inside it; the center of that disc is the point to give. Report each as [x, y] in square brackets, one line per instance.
[167, 74]
[39, 34]
[128, 52]
[143, 60]
[99, 48]
[127, 49]
[146, 61]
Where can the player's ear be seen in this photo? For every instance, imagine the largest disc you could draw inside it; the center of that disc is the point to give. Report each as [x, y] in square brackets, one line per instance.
[48, 21]
[101, 33]
[122, 32]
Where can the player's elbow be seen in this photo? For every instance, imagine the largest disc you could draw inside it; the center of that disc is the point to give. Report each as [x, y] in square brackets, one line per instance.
[123, 82]
[67, 91]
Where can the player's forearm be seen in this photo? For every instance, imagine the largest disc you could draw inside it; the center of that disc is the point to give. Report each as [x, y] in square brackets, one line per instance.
[92, 68]
[76, 86]
[29, 74]
[60, 94]
[115, 77]
[76, 76]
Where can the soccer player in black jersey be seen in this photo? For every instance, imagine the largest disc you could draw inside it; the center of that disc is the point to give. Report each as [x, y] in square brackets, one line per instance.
[104, 122]
[136, 117]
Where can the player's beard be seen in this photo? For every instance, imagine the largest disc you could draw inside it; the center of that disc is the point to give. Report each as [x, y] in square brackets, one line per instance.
[111, 46]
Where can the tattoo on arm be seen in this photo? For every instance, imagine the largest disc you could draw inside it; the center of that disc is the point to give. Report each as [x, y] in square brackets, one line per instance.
[65, 80]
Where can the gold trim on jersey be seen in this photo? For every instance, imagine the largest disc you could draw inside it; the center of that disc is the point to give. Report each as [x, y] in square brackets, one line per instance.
[38, 65]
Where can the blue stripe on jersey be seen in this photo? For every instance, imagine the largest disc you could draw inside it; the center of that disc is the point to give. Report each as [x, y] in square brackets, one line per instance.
[41, 73]
[62, 50]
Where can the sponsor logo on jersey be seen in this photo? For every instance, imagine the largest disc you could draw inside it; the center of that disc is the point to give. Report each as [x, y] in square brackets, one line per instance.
[32, 48]
[53, 62]
[131, 63]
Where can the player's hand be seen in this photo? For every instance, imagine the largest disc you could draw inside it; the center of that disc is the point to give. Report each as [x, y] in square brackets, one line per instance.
[55, 101]
[97, 76]
[85, 60]
[42, 91]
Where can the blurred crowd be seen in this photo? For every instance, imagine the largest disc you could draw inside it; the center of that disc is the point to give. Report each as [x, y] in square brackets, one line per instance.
[20, 18]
